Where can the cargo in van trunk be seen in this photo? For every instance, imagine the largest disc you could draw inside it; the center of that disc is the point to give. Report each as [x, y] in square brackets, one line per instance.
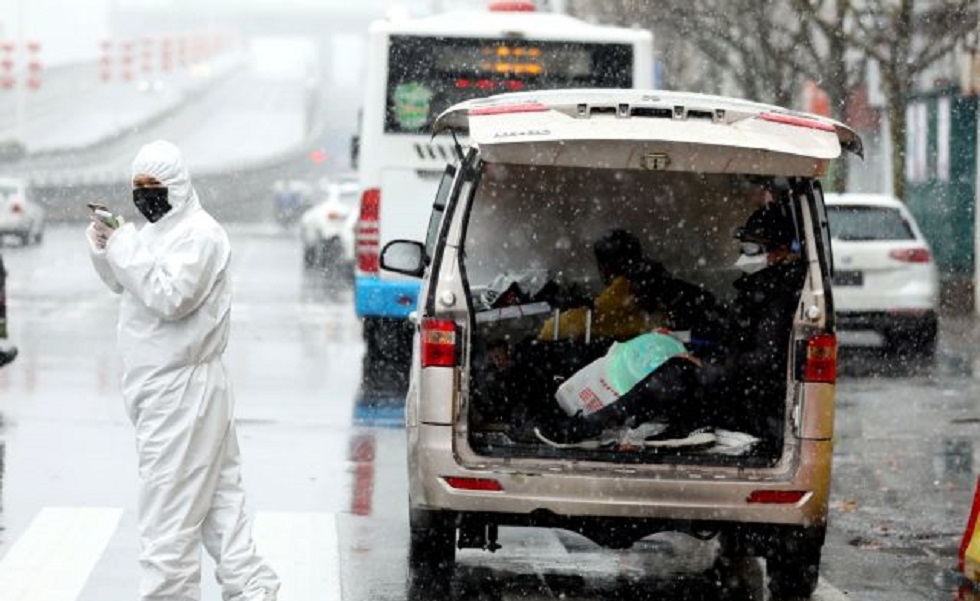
[543, 310]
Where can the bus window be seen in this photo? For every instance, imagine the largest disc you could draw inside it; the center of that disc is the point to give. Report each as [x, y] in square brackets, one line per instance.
[427, 75]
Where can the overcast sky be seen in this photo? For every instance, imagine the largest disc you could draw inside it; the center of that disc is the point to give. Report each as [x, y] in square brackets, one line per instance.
[70, 30]
[67, 30]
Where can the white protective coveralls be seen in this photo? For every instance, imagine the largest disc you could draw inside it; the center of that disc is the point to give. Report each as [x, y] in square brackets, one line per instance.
[173, 328]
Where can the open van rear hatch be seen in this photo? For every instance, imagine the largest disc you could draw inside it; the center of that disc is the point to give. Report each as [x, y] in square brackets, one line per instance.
[664, 131]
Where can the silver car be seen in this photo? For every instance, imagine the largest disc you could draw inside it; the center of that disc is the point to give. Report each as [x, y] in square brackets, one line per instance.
[508, 264]
[20, 216]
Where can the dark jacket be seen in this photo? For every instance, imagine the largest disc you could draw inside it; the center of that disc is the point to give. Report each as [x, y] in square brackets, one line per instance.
[745, 374]
[684, 306]
[762, 316]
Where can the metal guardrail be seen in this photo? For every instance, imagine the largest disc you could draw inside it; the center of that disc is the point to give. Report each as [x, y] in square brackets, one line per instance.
[241, 192]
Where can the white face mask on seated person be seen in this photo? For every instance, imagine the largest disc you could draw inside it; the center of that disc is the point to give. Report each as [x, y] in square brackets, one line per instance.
[751, 263]
[753, 257]
[756, 256]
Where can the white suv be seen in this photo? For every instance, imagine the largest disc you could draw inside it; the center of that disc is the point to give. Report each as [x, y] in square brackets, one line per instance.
[509, 259]
[886, 285]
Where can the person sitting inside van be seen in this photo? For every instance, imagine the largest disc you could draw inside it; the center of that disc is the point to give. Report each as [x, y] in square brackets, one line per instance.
[740, 382]
[748, 366]
[639, 296]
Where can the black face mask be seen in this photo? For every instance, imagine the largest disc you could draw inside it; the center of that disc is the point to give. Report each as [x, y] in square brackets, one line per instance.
[151, 202]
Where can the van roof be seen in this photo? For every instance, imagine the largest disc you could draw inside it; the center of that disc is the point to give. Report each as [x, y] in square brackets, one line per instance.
[655, 129]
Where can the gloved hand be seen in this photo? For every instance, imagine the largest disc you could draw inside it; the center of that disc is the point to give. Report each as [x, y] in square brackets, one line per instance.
[98, 234]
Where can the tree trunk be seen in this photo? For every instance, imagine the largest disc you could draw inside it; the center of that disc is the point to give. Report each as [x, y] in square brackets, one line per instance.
[896, 130]
[837, 87]
[898, 83]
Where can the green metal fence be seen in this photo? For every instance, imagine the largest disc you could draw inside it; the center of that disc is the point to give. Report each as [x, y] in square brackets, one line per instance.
[941, 175]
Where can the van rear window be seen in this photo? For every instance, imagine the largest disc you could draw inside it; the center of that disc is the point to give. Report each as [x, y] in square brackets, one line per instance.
[531, 219]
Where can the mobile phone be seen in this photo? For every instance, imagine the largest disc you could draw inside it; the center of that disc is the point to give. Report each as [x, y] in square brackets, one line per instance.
[95, 206]
[106, 217]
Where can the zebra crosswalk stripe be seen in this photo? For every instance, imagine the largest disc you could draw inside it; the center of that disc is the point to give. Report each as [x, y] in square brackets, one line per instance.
[303, 549]
[52, 560]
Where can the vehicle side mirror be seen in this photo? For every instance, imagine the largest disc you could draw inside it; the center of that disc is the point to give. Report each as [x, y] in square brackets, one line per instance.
[404, 256]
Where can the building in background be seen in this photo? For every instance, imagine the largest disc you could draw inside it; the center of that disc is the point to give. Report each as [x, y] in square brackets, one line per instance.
[942, 166]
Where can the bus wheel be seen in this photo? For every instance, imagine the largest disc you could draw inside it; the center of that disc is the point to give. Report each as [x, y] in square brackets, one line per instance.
[387, 352]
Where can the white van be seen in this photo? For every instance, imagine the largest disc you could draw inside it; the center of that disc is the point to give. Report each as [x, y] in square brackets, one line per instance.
[511, 311]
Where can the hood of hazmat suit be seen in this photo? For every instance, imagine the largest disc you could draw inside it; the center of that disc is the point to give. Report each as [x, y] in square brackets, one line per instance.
[174, 321]
[172, 275]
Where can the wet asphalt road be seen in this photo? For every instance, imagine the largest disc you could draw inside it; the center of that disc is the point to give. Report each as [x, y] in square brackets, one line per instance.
[325, 469]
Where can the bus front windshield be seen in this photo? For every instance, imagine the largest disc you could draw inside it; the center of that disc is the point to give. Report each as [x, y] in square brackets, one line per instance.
[428, 75]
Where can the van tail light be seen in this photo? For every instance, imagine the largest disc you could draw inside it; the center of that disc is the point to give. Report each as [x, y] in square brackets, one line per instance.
[438, 343]
[796, 121]
[911, 255]
[508, 109]
[367, 235]
[488, 484]
[821, 359]
[786, 497]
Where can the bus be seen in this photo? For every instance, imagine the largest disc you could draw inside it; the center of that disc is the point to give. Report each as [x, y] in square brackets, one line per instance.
[416, 68]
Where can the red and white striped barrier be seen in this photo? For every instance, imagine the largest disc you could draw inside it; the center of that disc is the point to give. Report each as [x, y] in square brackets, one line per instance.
[20, 63]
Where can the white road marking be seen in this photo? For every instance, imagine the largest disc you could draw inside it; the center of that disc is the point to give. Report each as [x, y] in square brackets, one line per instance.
[827, 592]
[52, 560]
[303, 549]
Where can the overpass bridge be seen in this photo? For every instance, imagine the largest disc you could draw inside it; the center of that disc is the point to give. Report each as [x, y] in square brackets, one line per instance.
[239, 132]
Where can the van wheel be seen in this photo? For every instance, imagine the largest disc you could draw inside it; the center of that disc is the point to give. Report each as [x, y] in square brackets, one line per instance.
[432, 548]
[794, 571]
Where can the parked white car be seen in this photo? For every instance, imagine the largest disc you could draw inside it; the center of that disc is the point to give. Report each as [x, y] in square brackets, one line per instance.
[327, 229]
[886, 285]
[19, 215]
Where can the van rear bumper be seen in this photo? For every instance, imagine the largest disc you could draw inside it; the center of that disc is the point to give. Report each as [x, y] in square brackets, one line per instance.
[670, 493]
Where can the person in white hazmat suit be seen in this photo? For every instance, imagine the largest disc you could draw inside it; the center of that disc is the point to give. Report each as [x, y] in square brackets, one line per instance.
[173, 328]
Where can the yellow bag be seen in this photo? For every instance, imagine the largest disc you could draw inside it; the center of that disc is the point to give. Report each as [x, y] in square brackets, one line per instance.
[616, 314]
